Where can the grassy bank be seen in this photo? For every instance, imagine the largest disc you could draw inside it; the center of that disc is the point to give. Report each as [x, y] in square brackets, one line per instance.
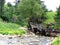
[57, 41]
[10, 28]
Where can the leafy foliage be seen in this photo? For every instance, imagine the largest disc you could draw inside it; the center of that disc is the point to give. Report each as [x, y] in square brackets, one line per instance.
[57, 18]
[50, 17]
[31, 8]
[1, 7]
[23, 11]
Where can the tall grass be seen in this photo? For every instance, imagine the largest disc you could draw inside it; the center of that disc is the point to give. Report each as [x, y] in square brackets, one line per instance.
[57, 41]
[10, 28]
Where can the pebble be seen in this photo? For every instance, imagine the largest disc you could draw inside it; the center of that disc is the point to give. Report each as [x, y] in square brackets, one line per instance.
[25, 40]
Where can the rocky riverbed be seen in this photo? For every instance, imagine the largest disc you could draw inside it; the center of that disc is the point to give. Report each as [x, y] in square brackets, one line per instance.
[27, 39]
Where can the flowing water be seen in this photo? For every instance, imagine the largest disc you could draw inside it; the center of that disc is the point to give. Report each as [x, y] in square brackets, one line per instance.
[27, 39]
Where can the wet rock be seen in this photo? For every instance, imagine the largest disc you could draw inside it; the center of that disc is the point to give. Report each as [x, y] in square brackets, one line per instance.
[27, 39]
[10, 37]
[33, 43]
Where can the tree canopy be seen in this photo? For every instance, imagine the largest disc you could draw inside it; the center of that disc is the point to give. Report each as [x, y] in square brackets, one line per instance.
[23, 11]
[57, 18]
[1, 7]
[31, 8]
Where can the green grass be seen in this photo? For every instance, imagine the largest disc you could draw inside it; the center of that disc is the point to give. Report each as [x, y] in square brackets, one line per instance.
[10, 28]
[57, 41]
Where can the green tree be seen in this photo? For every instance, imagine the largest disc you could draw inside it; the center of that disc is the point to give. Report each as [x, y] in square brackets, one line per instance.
[16, 6]
[24, 11]
[57, 18]
[58, 15]
[9, 11]
[2, 7]
[31, 9]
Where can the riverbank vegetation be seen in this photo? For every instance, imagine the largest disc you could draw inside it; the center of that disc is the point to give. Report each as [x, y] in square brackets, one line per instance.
[25, 11]
[10, 28]
[57, 41]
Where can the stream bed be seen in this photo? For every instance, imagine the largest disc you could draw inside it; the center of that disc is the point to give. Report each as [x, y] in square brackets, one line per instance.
[27, 39]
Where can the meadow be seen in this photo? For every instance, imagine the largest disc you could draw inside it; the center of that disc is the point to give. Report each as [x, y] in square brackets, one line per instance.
[10, 28]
